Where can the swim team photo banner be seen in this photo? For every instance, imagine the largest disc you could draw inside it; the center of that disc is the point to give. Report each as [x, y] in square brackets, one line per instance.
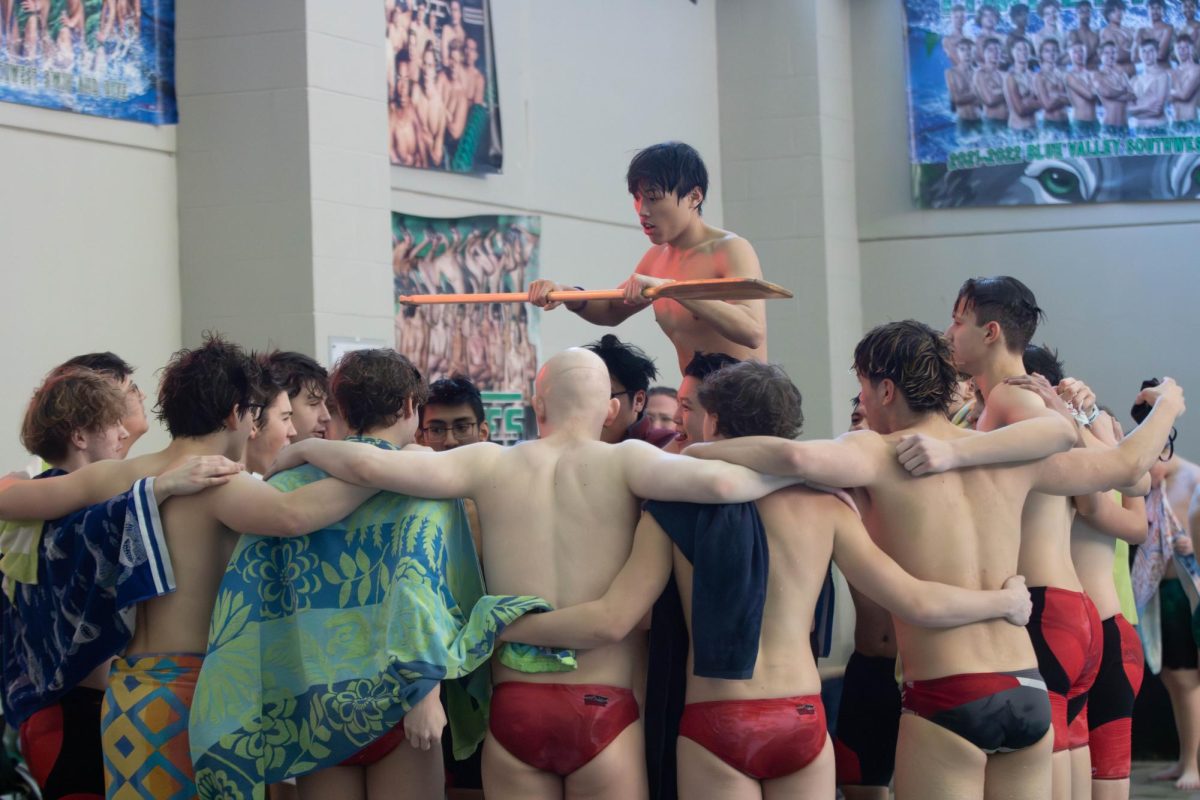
[106, 58]
[493, 344]
[443, 108]
[1052, 102]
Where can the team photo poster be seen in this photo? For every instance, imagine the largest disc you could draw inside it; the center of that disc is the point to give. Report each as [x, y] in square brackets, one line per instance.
[1055, 101]
[107, 58]
[493, 344]
[443, 110]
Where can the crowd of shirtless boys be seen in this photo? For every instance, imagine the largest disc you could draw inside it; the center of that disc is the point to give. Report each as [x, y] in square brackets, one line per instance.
[1145, 81]
[989, 551]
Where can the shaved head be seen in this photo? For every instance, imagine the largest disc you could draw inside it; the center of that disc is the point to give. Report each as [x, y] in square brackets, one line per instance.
[573, 386]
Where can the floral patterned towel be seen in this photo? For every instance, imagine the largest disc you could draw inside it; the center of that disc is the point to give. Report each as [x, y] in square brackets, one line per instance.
[320, 644]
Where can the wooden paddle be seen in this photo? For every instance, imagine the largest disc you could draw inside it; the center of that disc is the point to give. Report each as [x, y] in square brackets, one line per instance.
[706, 289]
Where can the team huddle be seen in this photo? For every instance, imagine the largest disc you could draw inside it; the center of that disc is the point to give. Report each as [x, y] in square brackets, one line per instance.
[1078, 82]
[400, 595]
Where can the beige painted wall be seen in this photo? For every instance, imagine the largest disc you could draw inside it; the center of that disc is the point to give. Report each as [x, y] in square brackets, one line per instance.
[88, 251]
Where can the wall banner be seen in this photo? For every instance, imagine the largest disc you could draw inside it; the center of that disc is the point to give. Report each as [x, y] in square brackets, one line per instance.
[443, 107]
[1052, 102]
[495, 345]
[106, 58]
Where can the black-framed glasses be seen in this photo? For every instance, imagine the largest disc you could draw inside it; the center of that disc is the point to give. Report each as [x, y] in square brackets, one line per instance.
[461, 428]
[615, 395]
[256, 409]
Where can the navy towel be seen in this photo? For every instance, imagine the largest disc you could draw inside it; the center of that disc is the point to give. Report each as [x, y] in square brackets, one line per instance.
[727, 546]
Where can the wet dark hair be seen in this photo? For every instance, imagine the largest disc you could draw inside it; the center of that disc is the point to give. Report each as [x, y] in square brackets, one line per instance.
[1140, 411]
[1016, 10]
[1111, 6]
[201, 387]
[371, 388]
[296, 372]
[1044, 4]
[1183, 37]
[1005, 300]
[1044, 361]
[750, 398]
[107, 363]
[671, 168]
[704, 364]
[70, 399]
[627, 364]
[457, 390]
[665, 391]
[914, 357]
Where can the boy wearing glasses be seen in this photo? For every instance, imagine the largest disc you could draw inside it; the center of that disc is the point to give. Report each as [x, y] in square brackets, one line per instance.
[453, 415]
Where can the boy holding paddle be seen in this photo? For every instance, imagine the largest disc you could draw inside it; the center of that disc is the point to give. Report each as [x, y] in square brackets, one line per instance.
[669, 182]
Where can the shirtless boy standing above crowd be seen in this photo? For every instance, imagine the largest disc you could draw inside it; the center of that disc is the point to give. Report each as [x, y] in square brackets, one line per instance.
[669, 184]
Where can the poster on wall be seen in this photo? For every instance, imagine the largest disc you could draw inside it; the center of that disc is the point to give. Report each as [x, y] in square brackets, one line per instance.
[495, 345]
[1053, 101]
[443, 108]
[106, 58]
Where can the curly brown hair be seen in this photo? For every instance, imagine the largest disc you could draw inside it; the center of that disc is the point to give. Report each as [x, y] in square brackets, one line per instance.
[370, 388]
[913, 356]
[750, 398]
[70, 399]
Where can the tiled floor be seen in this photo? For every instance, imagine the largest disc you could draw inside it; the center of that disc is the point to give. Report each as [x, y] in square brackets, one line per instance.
[1142, 788]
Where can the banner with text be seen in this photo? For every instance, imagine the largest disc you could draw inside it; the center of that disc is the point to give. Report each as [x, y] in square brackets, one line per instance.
[1053, 101]
[495, 344]
[107, 58]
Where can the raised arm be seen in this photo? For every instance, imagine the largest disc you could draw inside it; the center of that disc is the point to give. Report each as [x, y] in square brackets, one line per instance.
[1087, 470]
[248, 505]
[652, 474]
[613, 616]
[926, 604]
[447, 475]
[51, 498]
[853, 459]
[1023, 441]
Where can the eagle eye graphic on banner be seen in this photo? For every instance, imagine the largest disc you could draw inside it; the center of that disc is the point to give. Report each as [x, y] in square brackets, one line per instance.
[107, 58]
[1054, 101]
[443, 108]
[493, 344]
